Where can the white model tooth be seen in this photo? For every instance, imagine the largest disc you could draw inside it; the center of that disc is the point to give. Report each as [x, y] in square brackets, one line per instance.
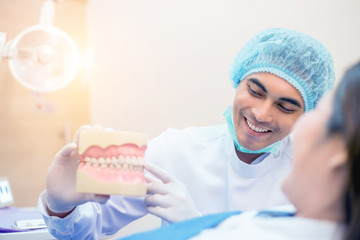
[94, 162]
[87, 161]
[101, 160]
[140, 161]
[125, 166]
[127, 163]
[117, 165]
[134, 160]
[103, 165]
[107, 161]
[119, 162]
[133, 164]
[114, 162]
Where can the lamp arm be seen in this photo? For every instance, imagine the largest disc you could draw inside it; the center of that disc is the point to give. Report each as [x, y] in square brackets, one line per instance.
[47, 13]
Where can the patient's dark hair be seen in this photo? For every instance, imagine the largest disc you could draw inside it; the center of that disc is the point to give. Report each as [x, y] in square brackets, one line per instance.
[345, 120]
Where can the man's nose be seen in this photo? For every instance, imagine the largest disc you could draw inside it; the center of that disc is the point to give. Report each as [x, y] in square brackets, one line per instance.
[263, 112]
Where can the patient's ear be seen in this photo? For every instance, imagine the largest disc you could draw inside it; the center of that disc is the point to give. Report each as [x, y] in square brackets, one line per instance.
[338, 158]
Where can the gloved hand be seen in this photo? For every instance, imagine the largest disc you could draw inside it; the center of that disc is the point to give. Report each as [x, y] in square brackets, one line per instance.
[168, 198]
[61, 193]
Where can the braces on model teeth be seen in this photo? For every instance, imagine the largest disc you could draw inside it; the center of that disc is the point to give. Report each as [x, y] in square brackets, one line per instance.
[121, 162]
[256, 129]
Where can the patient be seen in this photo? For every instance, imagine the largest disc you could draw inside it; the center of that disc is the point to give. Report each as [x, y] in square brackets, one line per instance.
[324, 184]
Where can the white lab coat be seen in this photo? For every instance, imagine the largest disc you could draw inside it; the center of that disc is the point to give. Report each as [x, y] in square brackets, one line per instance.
[204, 159]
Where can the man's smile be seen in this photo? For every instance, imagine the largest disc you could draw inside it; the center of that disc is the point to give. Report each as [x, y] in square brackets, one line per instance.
[255, 129]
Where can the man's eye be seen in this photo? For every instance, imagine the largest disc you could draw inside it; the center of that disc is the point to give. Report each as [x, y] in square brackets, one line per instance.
[284, 109]
[253, 92]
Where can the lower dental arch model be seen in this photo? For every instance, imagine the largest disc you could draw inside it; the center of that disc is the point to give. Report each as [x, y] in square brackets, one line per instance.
[111, 162]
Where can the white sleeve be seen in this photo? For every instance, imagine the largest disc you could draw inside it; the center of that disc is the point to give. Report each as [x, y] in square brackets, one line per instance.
[91, 220]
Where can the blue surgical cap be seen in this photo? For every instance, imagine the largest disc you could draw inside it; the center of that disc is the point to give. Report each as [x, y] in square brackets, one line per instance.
[294, 56]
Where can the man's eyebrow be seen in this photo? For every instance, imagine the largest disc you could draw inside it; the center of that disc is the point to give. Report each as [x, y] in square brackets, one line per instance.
[291, 101]
[258, 83]
[285, 99]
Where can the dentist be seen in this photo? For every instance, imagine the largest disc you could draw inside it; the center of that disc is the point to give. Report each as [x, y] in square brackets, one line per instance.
[278, 75]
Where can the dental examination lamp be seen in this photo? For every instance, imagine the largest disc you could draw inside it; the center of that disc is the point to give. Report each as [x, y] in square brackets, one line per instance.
[43, 58]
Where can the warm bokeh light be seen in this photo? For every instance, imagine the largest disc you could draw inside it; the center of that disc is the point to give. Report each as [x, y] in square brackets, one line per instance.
[43, 58]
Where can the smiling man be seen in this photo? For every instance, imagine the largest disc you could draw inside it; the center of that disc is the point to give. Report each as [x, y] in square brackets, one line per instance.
[264, 110]
[278, 75]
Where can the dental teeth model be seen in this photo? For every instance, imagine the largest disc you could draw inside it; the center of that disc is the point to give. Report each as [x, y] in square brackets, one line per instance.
[111, 162]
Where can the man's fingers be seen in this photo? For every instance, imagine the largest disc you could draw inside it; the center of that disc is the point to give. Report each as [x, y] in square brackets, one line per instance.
[66, 151]
[158, 172]
[157, 188]
[151, 179]
[76, 137]
[156, 210]
[157, 200]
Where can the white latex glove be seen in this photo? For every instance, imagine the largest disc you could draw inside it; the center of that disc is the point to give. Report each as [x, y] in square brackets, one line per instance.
[168, 198]
[62, 196]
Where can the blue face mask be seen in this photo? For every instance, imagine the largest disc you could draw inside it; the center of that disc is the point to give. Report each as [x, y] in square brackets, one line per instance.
[228, 114]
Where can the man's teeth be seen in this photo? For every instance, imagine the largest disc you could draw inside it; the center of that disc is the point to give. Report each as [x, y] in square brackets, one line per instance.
[121, 162]
[256, 129]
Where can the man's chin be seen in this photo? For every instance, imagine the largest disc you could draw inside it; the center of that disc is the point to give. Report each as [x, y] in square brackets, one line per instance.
[252, 147]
